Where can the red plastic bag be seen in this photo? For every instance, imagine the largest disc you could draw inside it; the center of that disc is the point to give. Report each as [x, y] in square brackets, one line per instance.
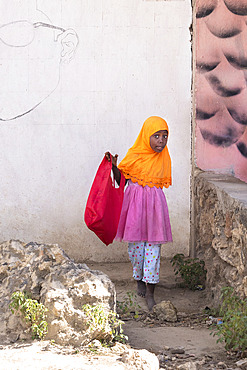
[104, 204]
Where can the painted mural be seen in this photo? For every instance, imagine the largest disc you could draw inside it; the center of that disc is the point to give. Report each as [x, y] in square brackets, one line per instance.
[32, 50]
[221, 86]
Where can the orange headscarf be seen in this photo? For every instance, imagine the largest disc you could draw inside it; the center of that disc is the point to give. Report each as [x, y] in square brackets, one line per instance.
[142, 164]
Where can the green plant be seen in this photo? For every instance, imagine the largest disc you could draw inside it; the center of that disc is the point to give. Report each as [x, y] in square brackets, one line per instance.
[129, 304]
[105, 321]
[233, 327]
[191, 270]
[33, 313]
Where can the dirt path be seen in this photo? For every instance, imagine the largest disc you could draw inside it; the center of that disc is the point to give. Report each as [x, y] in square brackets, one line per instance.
[191, 335]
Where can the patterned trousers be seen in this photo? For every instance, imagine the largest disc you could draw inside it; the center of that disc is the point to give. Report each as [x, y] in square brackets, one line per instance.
[145, 259]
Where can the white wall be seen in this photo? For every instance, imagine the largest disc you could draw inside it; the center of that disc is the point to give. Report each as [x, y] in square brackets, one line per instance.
[133, 60]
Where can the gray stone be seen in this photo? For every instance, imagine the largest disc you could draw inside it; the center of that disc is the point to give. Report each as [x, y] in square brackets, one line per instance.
[165, 311]
[179, 350]
[63, 286]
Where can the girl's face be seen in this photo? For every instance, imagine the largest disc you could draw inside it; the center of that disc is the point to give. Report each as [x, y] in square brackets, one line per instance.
[158, 140]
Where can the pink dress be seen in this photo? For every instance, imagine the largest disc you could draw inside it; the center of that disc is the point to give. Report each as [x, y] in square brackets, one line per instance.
[144, 215]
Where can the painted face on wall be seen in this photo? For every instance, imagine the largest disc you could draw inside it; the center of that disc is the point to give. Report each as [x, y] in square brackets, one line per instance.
[221, 88]
[31, 52]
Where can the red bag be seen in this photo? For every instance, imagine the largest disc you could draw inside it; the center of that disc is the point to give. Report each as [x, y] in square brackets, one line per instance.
[104, 204]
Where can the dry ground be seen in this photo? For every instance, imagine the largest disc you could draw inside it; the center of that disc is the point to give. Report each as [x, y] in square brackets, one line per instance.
[191, 334]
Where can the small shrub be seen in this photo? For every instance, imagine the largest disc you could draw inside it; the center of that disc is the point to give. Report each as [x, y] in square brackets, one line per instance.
[191, 270]
[105, 321]
[32, 312]
[129, 304]
[233, 329]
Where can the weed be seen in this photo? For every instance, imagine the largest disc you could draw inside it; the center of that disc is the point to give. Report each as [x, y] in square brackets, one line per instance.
[33, 313]
[94, 350]
[233, 327]
[191, 270]
[129, 304]
[105, 321]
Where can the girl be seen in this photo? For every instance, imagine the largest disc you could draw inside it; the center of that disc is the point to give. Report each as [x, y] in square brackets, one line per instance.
[144, 220]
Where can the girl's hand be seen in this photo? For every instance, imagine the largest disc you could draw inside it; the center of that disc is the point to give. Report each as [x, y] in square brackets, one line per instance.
[116, 173]
[114, 159]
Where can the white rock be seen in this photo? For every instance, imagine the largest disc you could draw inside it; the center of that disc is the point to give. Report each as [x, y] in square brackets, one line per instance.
[242, 363]
[63, 286]
[140, 359]
[188, 366]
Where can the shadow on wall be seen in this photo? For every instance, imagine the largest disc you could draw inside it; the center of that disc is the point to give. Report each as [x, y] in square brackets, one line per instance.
[221, 91]
[32, 50]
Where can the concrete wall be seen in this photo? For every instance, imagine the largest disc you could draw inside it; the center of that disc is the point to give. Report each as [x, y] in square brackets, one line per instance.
[221, 91]
[74, 90]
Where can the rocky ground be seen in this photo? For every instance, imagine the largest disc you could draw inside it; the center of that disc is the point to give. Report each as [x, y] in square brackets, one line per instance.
[185, 344]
